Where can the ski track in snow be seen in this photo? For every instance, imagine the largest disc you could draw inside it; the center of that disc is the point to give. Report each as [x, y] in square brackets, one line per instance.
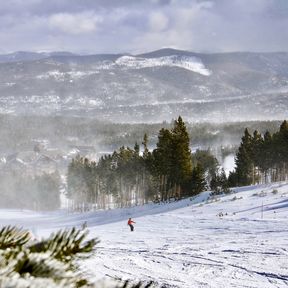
[184, 244]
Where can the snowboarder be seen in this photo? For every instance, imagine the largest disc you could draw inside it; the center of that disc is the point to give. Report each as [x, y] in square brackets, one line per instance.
[130, 222]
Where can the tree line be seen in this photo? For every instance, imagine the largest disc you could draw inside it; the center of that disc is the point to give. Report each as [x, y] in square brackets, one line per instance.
[127, 177]
[171, 171]
[261, 158]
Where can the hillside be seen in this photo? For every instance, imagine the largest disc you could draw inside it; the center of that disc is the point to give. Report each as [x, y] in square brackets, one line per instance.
[185, 243]
[150, 87]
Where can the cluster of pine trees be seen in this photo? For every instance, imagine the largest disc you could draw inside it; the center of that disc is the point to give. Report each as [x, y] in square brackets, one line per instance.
[129, 177]
[261, 158]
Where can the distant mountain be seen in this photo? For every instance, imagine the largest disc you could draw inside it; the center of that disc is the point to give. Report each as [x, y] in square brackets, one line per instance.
[168, 52]
[23, 56]
[155, 86]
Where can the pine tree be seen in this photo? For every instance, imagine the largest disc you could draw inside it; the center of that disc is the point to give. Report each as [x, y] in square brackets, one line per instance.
[219, 183]
[198, 181]
[256, 155]
[214, 184]
[267, 155]
[281, 143]
[49, 263]
[148, 186]
[224, 182]
[145, 146]
[244, 162]
[162, 162]
[52, 262]
[208, 162]
[181, 157]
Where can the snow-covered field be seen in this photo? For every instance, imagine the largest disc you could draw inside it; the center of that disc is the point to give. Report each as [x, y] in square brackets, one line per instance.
[185, 243]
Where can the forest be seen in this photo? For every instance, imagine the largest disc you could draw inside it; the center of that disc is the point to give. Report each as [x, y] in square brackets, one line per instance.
[180, 160]
[171, 171]
[261, 158]
[127, 177]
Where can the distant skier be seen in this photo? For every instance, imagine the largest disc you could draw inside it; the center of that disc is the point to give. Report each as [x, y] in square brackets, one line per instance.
[130, 223]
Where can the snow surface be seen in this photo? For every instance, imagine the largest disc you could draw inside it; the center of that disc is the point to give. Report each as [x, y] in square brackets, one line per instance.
[189, 63]
[185, 243]
[193, 64]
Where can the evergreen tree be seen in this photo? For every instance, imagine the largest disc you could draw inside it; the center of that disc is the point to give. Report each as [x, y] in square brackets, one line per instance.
[51, 262]
[181, 157]
[224, 182]
[162, 162]
[198, 181]
[244, 162]
[281, 149]
[256, 155]
[267, 155]
[208, 162]
[148, 182]
[232, 179]
[145, 146]
[261, 158]
[219, 183]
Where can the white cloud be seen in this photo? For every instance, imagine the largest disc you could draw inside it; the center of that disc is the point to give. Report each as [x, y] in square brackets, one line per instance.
[85, 22]
[143, 25]
[188, 26]
[158, 21]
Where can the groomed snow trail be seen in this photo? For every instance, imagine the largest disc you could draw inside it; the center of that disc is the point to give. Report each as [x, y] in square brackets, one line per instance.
[185, 244]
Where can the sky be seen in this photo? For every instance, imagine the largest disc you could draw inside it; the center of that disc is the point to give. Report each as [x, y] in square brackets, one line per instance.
[135, 26]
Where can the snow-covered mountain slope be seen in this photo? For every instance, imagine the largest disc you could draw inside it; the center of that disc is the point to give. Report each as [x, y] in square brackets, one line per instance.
[185, 244]
[151, 87]
[186, 62]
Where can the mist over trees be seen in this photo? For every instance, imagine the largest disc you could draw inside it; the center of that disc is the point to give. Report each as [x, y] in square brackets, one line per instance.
[128, 177]
[19, 132]
[36, 192]
[170, 171]
[133, 175]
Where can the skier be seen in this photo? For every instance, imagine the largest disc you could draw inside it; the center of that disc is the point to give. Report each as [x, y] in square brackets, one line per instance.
[130, 222]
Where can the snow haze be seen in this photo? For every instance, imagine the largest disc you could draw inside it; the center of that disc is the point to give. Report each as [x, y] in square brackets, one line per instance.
[185, 244]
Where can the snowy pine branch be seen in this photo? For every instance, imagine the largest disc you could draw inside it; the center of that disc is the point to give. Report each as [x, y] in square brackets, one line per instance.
[66, 245]
[48, 263]
[12, 237]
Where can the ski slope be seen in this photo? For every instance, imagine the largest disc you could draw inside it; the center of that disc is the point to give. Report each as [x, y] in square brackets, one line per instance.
[185, 244]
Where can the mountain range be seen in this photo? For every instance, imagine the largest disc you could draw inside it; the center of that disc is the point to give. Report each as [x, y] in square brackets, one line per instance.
[151, 87]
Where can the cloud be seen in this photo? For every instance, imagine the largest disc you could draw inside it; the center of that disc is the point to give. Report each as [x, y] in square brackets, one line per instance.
[158, 21]
[220, 26]
[143, 25]
[85, 22]
[188, 24]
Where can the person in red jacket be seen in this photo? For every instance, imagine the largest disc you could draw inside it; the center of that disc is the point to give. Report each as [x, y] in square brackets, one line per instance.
[130, 222]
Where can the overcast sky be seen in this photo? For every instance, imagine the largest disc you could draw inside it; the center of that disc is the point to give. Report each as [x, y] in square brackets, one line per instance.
[113, 26]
